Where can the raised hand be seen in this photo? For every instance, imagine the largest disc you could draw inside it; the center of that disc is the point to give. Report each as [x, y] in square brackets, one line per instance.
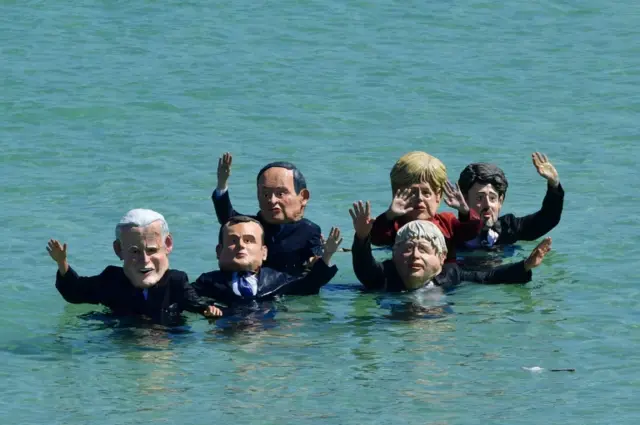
[361, 216]
[454, 198]
[401, 204]
[537, 255]
[212, 311]
[224, 170]
[545, 168]
[331, 244]
[58, 252]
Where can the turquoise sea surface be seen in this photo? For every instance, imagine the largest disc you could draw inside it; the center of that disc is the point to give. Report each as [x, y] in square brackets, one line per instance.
[108, 106]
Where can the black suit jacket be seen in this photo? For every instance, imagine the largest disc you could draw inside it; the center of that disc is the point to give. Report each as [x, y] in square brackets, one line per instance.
[271, 283]
[111, 288]
[384, 276]
[289, 245]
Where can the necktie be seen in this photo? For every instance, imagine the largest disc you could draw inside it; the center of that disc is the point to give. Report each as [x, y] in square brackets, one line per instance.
[246, 284]
[245, 287]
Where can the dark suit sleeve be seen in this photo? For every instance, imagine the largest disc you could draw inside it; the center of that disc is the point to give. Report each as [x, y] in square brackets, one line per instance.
[190, 300]
[223, 207]
[202, 286]
[536, 225]
[368, 271]
[77, 289]
[508, 273]
[314, 244]
[310, 284]
[383, 231]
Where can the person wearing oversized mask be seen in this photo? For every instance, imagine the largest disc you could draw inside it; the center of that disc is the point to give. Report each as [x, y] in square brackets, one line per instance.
[144, 285]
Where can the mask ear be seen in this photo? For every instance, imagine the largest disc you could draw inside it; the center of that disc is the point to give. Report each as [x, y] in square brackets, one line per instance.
[117, 248]
[264, 253]
[168, 244]
[442, 256]
[218, 251]
[304, 193]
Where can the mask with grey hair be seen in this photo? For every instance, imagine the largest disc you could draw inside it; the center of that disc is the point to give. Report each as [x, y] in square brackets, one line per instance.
[422, 229]
[141, 217]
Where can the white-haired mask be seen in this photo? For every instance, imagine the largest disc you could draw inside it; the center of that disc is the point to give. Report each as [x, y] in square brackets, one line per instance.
[419, 252]
[143, 243]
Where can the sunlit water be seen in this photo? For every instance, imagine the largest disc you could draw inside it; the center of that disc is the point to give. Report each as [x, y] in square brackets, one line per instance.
[109, 106]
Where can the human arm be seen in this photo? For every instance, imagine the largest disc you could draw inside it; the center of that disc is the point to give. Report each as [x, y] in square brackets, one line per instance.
[315, 245]
[536, 225]
[519, 272]
[74, 289]
[368, 271]
[192, 302]
[58, 252]
[321, 272]
[220, 196]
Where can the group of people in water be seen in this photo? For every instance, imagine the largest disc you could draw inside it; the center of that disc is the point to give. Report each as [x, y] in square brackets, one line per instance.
[279, 252]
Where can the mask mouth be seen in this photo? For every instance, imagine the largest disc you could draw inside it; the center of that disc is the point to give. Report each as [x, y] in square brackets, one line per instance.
[146, 270]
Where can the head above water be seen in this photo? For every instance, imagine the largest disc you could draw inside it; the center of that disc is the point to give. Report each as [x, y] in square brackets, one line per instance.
[282, 193]
[143, 243]
[419, 252]
[484, 187]
[425, 176]
[241, 245]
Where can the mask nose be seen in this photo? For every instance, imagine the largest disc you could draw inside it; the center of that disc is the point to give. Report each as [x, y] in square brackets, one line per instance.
[145, 257]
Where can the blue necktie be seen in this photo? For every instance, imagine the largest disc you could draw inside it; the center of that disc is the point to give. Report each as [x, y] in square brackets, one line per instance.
[244, 287]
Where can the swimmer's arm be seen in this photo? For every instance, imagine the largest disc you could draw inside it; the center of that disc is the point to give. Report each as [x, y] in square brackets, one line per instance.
[368, 271]
[310, 283]
[315, 241]
[189, 299]
[508, 273]
[538, 224]
[77, 289]
[223, 207]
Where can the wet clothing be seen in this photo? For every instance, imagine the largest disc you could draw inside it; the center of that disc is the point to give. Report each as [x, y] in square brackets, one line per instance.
[289, 245]
[509, 229]
[455, 231]
[384, 276]
[233, 288]
[111, 288]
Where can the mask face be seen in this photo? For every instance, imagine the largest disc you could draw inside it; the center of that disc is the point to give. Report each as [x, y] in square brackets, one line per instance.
[278, 200]
[242, 248]
[425, 202]
[144, 253]
[484, 199]
[417, 262]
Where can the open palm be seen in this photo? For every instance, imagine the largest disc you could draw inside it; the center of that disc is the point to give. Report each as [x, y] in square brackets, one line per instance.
[224, 169]
[454, 198]
[538, 254]
[545, 168]
[361, 217]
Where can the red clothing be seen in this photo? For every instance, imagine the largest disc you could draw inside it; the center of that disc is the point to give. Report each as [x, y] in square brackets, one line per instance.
[456, 232]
